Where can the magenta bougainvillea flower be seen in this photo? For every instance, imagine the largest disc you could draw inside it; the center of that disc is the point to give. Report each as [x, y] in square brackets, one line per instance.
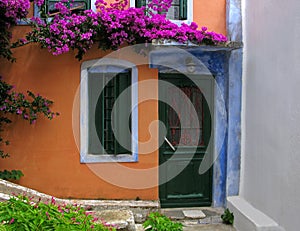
[111, 26]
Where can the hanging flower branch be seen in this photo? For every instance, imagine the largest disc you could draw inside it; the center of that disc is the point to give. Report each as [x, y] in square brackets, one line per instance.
[27, 107]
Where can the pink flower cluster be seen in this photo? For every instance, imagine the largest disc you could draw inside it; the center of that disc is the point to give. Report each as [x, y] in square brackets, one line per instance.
[17, 9]
[159, 6]
[114, 25]
[27, 107]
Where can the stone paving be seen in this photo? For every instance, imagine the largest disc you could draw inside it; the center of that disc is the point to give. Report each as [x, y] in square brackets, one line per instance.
[216, 227]
[205, 219]
[129, 215]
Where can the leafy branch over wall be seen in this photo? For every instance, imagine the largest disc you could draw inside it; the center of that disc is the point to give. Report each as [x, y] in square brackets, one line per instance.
[28, 106]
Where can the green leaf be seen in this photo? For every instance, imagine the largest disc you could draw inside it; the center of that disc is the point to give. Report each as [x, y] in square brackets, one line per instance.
[159, 222]
[227, 217]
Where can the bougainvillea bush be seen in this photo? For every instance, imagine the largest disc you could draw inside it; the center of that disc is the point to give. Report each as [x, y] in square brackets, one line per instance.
[112, 26]
[23, 213]
[10, 12]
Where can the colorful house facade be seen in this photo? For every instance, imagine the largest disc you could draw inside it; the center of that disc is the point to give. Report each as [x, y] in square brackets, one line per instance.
[162, 126]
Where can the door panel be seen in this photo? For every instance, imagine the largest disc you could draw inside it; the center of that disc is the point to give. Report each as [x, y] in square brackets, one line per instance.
[188, 130]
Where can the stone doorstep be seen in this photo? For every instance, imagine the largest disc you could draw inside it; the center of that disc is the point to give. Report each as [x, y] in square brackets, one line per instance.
[120, 219]
[193, 214]
[203, 215]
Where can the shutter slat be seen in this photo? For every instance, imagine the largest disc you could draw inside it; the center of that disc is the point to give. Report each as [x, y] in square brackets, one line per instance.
[183, 10]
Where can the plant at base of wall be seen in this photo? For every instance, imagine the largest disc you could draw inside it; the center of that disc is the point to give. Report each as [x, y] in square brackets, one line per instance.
[22, 213]
[11, 175]
[227, 217]
[27, 107]
[159, 222]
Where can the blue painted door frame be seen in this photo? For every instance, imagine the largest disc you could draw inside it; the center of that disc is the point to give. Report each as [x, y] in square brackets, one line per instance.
[226, 66]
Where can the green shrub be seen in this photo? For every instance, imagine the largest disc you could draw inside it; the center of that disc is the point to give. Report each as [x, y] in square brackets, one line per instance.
[227, 217]
[21, 213]
[159, 222]
[11, 175]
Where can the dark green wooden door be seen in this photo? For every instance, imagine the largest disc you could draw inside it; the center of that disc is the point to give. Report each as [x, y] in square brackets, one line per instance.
[185, 140]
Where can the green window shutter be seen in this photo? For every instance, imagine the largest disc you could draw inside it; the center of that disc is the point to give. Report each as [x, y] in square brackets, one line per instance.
[95, 82]
[103, 125]
[183, 10]
[77, 5]
[122, 123]
[140, 3]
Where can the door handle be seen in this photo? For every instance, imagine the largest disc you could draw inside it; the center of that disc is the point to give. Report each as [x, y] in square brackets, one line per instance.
[169, 143]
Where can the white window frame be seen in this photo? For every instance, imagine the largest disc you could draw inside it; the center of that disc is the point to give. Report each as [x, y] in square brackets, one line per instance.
[189, 19]
[106, 63]
[93, 7]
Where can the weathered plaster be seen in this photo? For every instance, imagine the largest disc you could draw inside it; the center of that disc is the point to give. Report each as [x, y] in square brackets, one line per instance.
[225, 65]
[271, 110]
[234, 20]
[234, 33]
[234, 123]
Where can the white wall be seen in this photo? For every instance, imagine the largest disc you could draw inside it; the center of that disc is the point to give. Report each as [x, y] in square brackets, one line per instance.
[270, 178]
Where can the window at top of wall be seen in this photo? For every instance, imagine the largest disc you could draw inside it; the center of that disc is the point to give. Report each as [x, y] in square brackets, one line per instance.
[180, 10]
[74, 5]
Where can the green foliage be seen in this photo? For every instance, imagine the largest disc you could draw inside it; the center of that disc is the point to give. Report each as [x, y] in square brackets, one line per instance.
[5, 36]
[227, 217]
[10, 12]
[27, 107]
[21, 213]
[11, 175]
[159, 222]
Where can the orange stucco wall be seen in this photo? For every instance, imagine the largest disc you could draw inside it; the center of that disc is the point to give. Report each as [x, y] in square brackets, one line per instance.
[47, 152]
[211, 14]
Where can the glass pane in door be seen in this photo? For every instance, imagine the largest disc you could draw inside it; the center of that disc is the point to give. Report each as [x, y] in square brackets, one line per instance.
[185, 116]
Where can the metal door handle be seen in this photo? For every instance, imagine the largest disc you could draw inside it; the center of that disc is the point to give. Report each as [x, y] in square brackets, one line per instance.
[169, 143]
